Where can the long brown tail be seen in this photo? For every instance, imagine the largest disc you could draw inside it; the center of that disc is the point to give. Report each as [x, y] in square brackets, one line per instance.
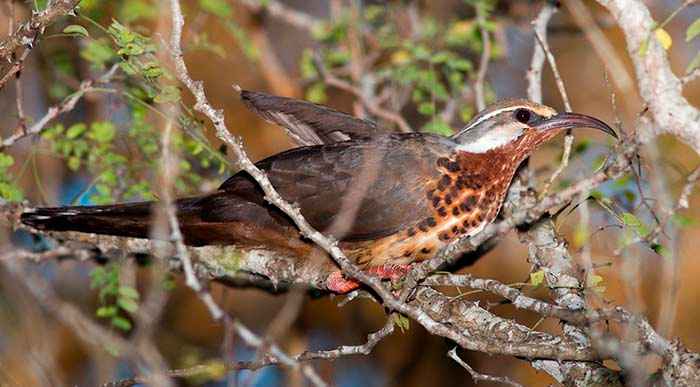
[130, 219]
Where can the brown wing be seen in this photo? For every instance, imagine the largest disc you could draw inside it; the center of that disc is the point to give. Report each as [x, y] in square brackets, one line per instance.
[309, 123]
[326, 180]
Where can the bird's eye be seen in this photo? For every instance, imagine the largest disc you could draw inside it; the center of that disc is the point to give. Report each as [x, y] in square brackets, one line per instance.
[522, 115]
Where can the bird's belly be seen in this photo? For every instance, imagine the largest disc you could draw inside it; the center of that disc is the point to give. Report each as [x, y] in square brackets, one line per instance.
[399, 249]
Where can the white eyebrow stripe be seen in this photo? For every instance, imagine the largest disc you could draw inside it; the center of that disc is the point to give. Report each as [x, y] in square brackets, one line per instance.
[491, 114]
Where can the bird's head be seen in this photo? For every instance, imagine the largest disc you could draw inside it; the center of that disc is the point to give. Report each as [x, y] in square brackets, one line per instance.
[521, 124]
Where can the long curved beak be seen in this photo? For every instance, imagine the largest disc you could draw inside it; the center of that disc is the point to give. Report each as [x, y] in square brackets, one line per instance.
[574, 120]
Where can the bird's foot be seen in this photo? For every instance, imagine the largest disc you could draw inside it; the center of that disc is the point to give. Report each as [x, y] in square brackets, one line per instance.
[337, 283]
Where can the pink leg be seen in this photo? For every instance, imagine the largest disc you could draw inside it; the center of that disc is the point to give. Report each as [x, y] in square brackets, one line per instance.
[339, 284]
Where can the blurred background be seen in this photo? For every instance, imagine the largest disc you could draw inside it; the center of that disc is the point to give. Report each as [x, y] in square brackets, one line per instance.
[421, 55]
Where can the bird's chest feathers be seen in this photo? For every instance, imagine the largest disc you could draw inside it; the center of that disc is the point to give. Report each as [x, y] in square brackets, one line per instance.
[464, 198]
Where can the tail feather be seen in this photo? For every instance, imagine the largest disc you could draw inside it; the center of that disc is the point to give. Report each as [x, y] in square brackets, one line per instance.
[217, 218]
[132, 219]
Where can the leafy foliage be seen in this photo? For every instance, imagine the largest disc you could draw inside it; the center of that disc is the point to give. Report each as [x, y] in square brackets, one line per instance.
[8, 189]
[116, 301]
[431, 65]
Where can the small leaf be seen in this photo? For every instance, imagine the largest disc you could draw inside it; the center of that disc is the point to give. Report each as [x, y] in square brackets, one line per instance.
[111, 349]
[663, 37]
[426, 108]
[6, 161]
[74, 163]
[152, 70]
[129, 292]
[168, 94]
[683, 221]
[693, 31]
[121, 323]
[220, 8]
[594, 280]
[438, 126]
[537, 278]
[661, 250]
[106, 311]
[402, 322]
[76, 29]
[127, 304]
[75, 131]
[102, 131]
[630, 220]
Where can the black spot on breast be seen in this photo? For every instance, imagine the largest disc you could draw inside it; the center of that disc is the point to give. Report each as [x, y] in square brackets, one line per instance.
[475, 223]
[430, 221]
[444, 182]
[444, 236]
[455, 210]
[448, 199]
[436, 201]
[411, 231]
[453, 166]
[442, 212]
[425, 250]
[423, 226]
[455, 229]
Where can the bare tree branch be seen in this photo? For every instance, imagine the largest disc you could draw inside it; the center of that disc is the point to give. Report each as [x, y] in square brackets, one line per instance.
[660, 89]
[26, 34]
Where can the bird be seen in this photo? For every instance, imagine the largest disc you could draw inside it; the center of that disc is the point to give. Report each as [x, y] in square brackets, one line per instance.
[391, 199]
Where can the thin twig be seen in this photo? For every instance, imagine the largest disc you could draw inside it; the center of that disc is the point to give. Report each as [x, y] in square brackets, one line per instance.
[479, 377]
[65, 106]
[26, 34]
[484, 61]
[369, 103]
[568, 139]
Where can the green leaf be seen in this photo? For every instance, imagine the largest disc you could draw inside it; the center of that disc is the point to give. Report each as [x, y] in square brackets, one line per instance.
[220, 8]
[661, 250]
[132, 49]
[693, 31]
[106, 311]
[402, 322]
[129, 292]
[102, 131]
[683, 221]
[168, 94]
[631, 221]
[537, 278]
[316, 93]
[6, 161]
[122, 323]
[10, 192]
[152, 70]
[97, 52]
[127, 304]
[426, 108]
[76, 29]
[437, 126]
[74, 163]
[76, 130]
[594, 280]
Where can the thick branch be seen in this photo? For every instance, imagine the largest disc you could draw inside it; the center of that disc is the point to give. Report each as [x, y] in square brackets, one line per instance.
[659, 87]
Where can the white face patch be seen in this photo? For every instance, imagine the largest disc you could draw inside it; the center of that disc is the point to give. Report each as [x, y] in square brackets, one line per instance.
[492, 139]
